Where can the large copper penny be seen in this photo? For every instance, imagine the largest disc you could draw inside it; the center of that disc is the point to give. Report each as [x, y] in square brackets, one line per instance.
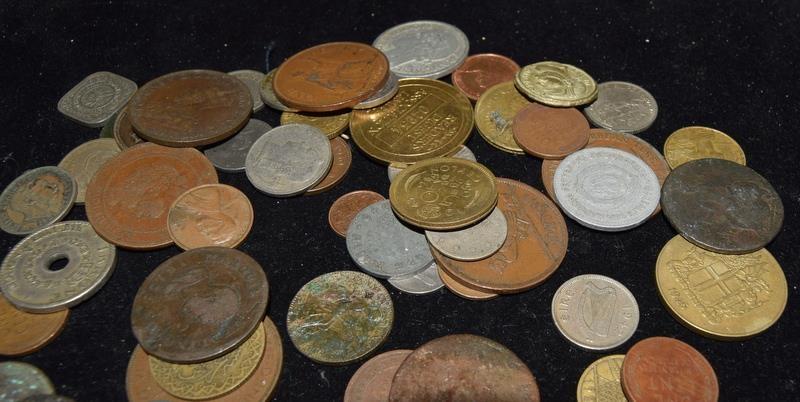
[190, 108]
[550, 132]
[346, 207]
[199, 304]
[25, 333]
[342, 159]
[666, 369]
[331, 76]
[373, 380]
[210, 215]
[458, 288]
[463, 368]
[128, 199]
[480, 72]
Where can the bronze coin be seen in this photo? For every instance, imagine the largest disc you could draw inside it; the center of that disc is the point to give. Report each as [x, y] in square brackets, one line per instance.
[210, 215]
[458, 288]
[331, 76]
[24, 333]
[463, 368]
[480, 72]
[373, 380]
[190, 108]
[550, 132]
[342, 159]
[199, 304]
[666, 369]
[346, 207]
[128, 199]
[123, 131]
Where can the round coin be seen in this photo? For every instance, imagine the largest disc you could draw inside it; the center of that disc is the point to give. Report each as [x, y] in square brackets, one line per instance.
[230, 155]
[252, 79]
[331, 124]
[423, 49]
[373, 380]
[697, 142]
[472, 243]
[622, 107]
[37, 198]
[123, 131]
[422, 283]
[210, 215]
[20, 380]
[480, 72]
[462, 153]
[548, 132]
[268, 94]
[600, 382]
[342, 159]
[346, 207]
[556, 84]
[24, 333]
[83, 162]
[383, 95]
[460, 289]
[494, 116]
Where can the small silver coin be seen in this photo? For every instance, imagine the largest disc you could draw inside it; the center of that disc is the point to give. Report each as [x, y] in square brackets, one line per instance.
[84, 160]
[37, 198]
[288, 160]
[595, 312]
[475, 242]
[423, 49]
[96, 98]
[388, 91]
[463, 153]
[29, 283]
[252, 79]
[230, 156]
[20, 380]
[622, 107]
[606, 189]
[384, 247]
[268, 93]
[422, 283]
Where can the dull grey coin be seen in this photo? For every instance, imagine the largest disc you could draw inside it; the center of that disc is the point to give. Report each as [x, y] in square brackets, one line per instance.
[252, 79]
[421, 283]
[37, 198]
[423, 49]
[463, 153]
[85, 160]
[472, 243]
[388, 91]
[384, 247]
[31, 279]
[108, 128]
[622, 107]
[230, 155]
[20, 380]
[268, 93]
[96, 98]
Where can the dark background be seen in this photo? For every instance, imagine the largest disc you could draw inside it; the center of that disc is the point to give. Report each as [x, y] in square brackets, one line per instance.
[729, 66]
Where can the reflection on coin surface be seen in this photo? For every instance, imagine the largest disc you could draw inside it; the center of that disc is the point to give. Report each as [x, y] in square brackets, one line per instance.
[421, 283]
[383, 95]
[480, 72]
[210, 215]
[494, 116]
[252, 79]
[342, 159]
[37, 198]
[697, 142]
[331, 124]
[96, 98]
[25, 333]
[373, 380]
[20, 380]
[550, 132]
[268, 94]
[123, 131]
[472, 243]
[622, 107]
[423, 49]
[460, 289]
[83, 162]
[462, 153]
[346, 207]
[556, 84]
[600, 382]
[230, 155]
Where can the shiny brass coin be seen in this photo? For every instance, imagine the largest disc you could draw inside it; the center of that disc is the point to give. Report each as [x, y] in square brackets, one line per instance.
[600, 381]
[556, 84]
[494, 115]
[332, 124]
[697, 142]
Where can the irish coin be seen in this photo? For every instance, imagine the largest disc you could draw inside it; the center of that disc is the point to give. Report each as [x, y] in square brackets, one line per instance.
[252, 79]
[556, 84]
[622, 107]
[190, 108]
[460, 289]
[342, 159]
[199, 304]
[697, 142]
[268, 94]
[595, 312]
[373, 380]
[472, 243]
[108, 127]
[332, 124]
[422, 283]
[340, 317]
[210, 215]
[423, 49]
[494, 116]
[123, 131]
[480, 72]
[25, 333]
[600, 382]
[230, 155]
[32, 282]
[548, 132]
[20, 380]
[462, 153]
[37, 198]
[346, 207]
[96, 98]
[383, 95]
[722, 206]
[83, 162]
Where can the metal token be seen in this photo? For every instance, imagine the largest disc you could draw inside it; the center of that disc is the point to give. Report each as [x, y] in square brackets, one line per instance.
[346, 207]
[462, 153]
[332, 124]
[373, 380]
[342, 159]
[108, 128]
[383, 95]
[460, 289]
[268, 93]
[480, 72]
[423, 49]
[622, 107]
[697, 142]
[123, 131]
[472, 243]
[600, 382]
[494, 116]
[84, 161]
[550, 132]
[37, 198]
[210, 215]
[252, 79]
[96, 98]
[556, 84]
[25, 333]
[421, 283]
[20, 380]
[230, 155]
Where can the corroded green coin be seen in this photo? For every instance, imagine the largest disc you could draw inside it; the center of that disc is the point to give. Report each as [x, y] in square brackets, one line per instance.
[340, 317]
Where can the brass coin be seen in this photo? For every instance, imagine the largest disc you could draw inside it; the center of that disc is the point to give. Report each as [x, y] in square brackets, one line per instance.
[550, 133]
[460, 289]
[600, 381]
[697, 142]
[85, 160]
[210, 215]
[342, 159]
[123, 131]
[494, 115]
[25, 333]
[556, 84]
[332, 124]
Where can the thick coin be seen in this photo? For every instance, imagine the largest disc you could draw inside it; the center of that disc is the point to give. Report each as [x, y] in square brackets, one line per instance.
[199, 304]
[460, 289]
[422, 283]
[20, 380]
[595, 312]
[697, 142]
[480, 72]
[83, 162]
[622, 107]
[24, 333]
[346, 207]
[600, 382]
[252, 79]
[30, 279]
[383, 95]
[462, 153]
[722, 206]
[332, 124]
[556, 84]
[423, 49]
[342, 159]
[373, 380]
[230, 155]
[123, 131]
[37, 198]
[128, 200]
[210, 215]
[190, 108]
[268, 94]
[548, 132]
[340, 317]
[96, 98]
[472, 243]
[494, 116]
[108, 127]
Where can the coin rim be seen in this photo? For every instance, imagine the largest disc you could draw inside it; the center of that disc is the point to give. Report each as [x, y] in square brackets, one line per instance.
[671, 139]
[66, 208]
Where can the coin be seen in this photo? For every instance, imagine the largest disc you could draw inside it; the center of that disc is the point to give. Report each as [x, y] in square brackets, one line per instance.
[37, 198]
[600, 382]
[128, 199]
[340, 317]
[383, 95]
[199, 304]
[252, 79]
[548, 132]
[460, 289]
[659, 368]
[422, 283]
[494, 116]
[462, 153]
[373, 380]
[230, 155]
[472, 243]
[696, 142]
[190, 108]
[332, 124]
[330, 76]
[210, 215]
[556, 84]
[346, 207]
[463, 368]
[24, 333]
[268, 94]
[423, 49]
[96, 98]
[480, 72]
[32, 282]
[108, 127]
[123, 131]
[342, 159]
[722, 206]
[426, 119]
[622, 107]
[83, 162]
[19, 380]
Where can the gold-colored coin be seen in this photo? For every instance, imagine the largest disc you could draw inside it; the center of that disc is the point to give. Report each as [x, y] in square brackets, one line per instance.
[697, 142]
[443, 193]
[212, 378]
[494, 114]
[426, 119]
[600, 381]
[556, 84]
[332, 124]
[727, 297]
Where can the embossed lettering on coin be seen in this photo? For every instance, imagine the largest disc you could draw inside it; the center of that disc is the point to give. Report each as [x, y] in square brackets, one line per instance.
[35, 199]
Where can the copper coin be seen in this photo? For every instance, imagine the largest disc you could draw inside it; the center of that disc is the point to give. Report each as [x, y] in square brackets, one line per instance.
[128, 199]
[123, 131]
[199, 304]
[666, 369]
[25, 333]
[373, 380]
[190, 108]
[346, 207]
[463, 368]
[210, 215]
[550, 132]
[342, 159]
[331, 76]
[480, 72]
[458, 288]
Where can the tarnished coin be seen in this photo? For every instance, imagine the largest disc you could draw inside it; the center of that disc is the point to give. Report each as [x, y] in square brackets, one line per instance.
[346, 207]
[494, 116]
[722, 206]
[463, 368]
[108, 127]
[549, 132]
[600, 382]
[383, 95]
[556, 84]
[123, 131]
[199, 304]
[210, 215]
[622, 107]
[96, 98]
[331, 124]
[37, 198]
[32, 281]
[595, 312]
[252, 79]
[421, 283]
[697, 142]
[83, 162]
[462, 153]
[342, 159]
[480, 72]
[340, 317]
[472, 243]
[460, 289]
[423, 49]
[373, 380]
[25, 333]
[230, 155]
[268, 94]
[19, 380]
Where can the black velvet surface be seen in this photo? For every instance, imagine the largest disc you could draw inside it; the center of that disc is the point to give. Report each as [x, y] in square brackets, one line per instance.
[732, 66]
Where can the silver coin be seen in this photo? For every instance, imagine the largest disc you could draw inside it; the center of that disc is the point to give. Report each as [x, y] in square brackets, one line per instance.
[421, 283]
[29, 283]
[268, 94]
[622, 107]
[595, 312]
[96, 98]
[230, 155]
[384, 247]
[423, 49]
[463, 153]
[37, 198]
[84, 160]
[288, 160]
[20, 380]
[388, 91]
[252, 79]
[606, 189]
[108, 128]
[473, 243]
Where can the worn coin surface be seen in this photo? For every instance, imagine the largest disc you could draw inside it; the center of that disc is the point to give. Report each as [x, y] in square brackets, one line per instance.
[549, 132]
[722, 206]
[346, 207]
[556, 84]
[230, 156]
[373, 380]
[25, 333]
[30, 280]
[210, 215]
[697, 142]
[123, 131]
[19, 380]
[622, 107]
[268, 94]
[462, 153]
[494, 116]
[595, 312]
[96, 98]
[383, 95]
[252, 79]
[422, 283]
[332, 124]
[342, 159]
[600, 382]
[83, 162]
[199, 304]
[423, 49]
[37, 198]
[480, 72]
[340, 317]
[472, 243]
[459, 288]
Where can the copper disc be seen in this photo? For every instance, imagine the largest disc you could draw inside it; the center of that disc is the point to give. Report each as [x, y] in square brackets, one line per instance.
[346, 207]
[210, 215]
[458, 288]
[342, 159]
[550, 132]
[25, 333]
[373, 380]
[480, 72]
